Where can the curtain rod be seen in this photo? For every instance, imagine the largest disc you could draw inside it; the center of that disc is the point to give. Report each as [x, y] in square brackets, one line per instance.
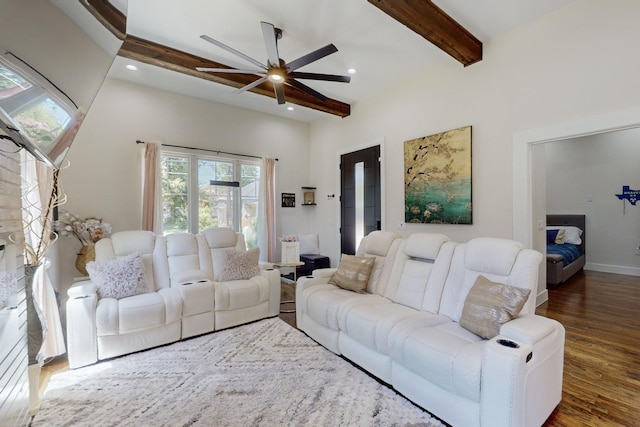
[206, 149]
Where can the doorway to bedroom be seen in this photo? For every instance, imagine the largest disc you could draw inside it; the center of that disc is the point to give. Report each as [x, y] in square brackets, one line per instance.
[529, 193]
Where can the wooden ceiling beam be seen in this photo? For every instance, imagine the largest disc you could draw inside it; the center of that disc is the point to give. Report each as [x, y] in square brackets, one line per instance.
[176, 60]
[425, 18]
[108, 15]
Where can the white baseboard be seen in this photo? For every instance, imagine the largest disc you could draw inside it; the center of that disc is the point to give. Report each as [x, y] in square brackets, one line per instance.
[617, 269]
[542, 297]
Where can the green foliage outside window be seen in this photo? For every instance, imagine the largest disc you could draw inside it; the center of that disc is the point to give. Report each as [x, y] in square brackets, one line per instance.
[217, 205]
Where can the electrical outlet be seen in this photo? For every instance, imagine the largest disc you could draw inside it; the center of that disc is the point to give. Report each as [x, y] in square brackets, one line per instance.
[402, 226]
[638, 250]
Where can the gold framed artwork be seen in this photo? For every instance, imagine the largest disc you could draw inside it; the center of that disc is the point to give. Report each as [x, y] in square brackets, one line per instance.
[437, 178]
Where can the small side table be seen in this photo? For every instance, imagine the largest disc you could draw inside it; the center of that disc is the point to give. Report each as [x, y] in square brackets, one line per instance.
[294, 265]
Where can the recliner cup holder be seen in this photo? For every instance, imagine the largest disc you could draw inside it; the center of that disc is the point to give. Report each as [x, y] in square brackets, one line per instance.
[508, 343]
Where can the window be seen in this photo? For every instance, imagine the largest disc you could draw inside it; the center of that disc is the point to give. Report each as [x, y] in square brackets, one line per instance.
[200, 192]
[40, 117]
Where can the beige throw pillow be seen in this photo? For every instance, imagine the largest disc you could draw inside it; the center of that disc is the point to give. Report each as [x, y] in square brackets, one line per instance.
[240, 265]
[353, 273]
[489, 305]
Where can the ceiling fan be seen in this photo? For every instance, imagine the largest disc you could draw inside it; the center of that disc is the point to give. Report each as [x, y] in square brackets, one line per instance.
[277, 71]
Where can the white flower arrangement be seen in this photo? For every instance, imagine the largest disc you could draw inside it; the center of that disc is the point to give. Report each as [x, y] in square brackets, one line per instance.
[88, 231]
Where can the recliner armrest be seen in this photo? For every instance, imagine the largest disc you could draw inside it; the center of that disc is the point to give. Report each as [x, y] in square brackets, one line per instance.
[324, 272]
[82, 346]
[82, 289]
[529, 328]
[273, 276]
[525, 360]
[265, 265]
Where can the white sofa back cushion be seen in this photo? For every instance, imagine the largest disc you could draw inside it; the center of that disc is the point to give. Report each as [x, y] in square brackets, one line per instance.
[221, 240]
[492, 255]
[419, 271]
[152, 252]
[380, 245]
[186, 258]
[133, 241]
[499, 260]
[413, 265]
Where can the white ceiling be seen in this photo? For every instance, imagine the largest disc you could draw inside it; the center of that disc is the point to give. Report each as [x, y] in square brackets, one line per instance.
[382, 50]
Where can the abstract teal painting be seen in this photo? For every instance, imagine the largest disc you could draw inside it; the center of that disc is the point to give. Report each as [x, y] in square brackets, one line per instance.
[437, 178]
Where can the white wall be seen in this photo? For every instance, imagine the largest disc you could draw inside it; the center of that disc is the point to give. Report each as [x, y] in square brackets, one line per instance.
[557, 69]
[104, 181]
[44, 37]
[599, 166]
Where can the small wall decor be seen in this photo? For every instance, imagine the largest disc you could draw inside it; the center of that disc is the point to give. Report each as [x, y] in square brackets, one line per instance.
[288, 200]
[628, 194]
[437, 178]
[309, 198]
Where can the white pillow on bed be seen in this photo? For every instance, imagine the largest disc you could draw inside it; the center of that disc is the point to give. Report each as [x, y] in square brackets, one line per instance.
[571, 234]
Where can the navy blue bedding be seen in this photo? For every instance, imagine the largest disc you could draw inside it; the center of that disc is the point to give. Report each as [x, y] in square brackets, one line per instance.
[568, 252]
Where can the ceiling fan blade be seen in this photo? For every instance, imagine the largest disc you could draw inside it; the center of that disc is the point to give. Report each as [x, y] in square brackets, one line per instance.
[271, 43]
[311, 57]
[251, 85]
[306, 89]
[232, 50]
[279, 90]
[230, 70]
[316, 76]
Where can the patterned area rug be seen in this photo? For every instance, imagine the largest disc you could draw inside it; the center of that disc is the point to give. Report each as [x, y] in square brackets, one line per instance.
[261, 374]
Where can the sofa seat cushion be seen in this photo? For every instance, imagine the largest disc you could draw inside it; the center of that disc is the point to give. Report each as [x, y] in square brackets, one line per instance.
[369, 324]
[238, 294]
[325, 303]
[446, 355]
[139, 312]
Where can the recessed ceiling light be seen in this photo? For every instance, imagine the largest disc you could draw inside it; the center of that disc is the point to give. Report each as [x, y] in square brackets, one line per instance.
[352, 71]
[290, 108]
[132, 67]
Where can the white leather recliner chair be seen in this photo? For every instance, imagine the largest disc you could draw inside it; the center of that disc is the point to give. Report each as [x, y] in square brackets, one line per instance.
[102, 328]
[239, 301]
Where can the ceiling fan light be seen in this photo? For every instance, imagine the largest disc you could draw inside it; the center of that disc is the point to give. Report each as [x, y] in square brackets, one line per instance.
[276, 75]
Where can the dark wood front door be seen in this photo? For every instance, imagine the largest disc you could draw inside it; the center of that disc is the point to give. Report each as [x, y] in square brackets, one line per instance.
[360, 201]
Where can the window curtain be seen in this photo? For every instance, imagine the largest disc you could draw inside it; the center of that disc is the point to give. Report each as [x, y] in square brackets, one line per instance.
[39, 197]
[267, 211]
[151, 188]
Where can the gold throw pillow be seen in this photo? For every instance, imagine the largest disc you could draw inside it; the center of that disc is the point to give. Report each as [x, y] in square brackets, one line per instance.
[489, 305]
[353, 273]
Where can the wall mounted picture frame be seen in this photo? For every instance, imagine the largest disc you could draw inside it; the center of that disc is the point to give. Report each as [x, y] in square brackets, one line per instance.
[288, 200]
[437, 178]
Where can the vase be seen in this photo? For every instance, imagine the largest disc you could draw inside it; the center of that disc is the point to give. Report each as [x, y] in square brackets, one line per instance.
[36, 324]
[86, 254]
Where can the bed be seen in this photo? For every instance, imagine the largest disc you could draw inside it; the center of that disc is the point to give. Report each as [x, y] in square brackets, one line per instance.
[565, 249]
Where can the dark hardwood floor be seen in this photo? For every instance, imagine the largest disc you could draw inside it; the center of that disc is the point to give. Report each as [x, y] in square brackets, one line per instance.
[602, 349]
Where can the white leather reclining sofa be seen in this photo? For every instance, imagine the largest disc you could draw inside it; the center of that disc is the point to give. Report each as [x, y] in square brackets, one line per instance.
[406, 329]
[186, 296]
